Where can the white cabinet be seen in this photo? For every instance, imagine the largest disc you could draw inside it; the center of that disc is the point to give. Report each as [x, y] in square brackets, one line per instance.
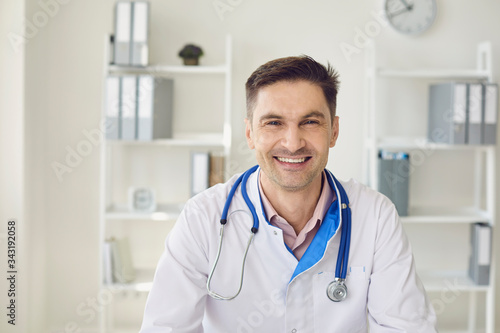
[442, 206]
[201, 122]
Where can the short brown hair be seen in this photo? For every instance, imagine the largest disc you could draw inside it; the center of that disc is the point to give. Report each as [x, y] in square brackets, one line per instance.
[293, 69]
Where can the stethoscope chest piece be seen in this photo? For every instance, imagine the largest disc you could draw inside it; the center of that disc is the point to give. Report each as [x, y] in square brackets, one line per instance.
[337, 290]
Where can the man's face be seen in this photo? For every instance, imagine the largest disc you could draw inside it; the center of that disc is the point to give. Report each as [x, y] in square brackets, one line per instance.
[291, 132]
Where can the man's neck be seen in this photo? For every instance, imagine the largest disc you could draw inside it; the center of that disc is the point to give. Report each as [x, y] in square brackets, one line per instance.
[296, 207]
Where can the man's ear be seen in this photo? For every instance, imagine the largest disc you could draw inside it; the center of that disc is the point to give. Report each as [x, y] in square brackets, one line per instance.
[335, 132]
[248, 133]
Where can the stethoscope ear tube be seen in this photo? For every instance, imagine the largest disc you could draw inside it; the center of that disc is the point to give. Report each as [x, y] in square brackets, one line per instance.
[223, 221]
[219, 249]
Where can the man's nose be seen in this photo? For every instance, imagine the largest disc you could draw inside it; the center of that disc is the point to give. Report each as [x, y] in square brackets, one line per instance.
[293, 139]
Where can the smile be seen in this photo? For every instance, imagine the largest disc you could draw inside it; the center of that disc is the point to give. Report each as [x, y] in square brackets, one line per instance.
[291, 160]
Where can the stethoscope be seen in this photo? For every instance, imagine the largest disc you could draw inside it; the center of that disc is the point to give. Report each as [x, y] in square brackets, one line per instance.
[336, 290]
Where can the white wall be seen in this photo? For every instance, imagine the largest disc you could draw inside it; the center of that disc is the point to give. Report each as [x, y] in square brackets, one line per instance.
[13, 165]
[63, 85]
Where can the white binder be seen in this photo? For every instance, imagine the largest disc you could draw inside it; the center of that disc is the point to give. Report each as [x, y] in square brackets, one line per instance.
[139, 46]
[123, 268]
[107, 262]
[112, 107]
[459, 129]
[475, 102]
[131, 33]
[155, 108]
[128, 107]
[145, 108]
[123, 26]
[200, 172]
[490, 113]
[480, 255]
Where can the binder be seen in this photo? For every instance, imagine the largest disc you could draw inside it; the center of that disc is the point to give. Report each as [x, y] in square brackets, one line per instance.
[200, 169]
[394, 178]
[155, 108]
[475, 112]
[131, 33]
[107, 262]
[490, 114]
[216, 169]
[128, 107]
[123, 26]
[448, 113]
[480, 255]
[112, 106]
[123, 269]
[139, 46]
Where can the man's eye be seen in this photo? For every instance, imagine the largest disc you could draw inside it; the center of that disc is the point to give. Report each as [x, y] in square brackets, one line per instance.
[311, 122]
[273, 123]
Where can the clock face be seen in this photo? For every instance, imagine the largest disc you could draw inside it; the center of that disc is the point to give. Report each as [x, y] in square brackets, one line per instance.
[142, 199]
[410, 16]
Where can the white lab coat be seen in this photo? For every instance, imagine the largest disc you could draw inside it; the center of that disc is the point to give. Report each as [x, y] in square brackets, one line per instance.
[384, 291]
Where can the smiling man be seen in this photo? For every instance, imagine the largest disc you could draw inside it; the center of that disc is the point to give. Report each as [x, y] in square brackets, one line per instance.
[285, 246]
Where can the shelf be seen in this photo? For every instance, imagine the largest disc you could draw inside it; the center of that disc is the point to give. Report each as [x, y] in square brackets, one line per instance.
[413, 143]
[180, 140]
[482, 157]
[453, 74]
[142, 283]
[165, 70]
[445, 215]
[115, 217]
[449, 280]
[164, 212]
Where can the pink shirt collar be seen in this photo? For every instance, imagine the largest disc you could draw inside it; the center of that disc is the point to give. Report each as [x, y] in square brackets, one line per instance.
[299, 243]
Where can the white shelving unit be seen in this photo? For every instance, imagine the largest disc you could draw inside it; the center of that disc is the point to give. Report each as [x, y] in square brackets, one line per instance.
[483, 207]
[123, 162]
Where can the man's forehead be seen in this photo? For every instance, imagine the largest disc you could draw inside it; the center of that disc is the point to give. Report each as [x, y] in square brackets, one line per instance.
[284, 98]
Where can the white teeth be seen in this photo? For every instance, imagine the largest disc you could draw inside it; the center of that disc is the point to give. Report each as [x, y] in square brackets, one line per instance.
[291, 160]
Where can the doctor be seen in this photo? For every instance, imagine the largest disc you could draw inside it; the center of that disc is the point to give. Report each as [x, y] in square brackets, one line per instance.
[270, 268]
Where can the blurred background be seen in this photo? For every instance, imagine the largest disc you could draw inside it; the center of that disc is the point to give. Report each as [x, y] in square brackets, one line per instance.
[53, 63]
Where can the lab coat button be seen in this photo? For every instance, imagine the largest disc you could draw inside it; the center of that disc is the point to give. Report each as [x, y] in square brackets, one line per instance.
[294, 331]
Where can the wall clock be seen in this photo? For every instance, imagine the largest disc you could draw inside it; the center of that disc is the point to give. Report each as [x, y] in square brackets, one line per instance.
[410, 17]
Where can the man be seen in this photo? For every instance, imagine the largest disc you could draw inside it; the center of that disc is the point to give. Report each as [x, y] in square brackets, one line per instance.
[281, 285]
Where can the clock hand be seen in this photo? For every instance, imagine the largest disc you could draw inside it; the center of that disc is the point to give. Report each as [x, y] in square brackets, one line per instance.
[408, 6]
[399, 12]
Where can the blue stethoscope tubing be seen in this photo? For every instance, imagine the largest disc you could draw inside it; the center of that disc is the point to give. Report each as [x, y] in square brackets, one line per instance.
[336, 290]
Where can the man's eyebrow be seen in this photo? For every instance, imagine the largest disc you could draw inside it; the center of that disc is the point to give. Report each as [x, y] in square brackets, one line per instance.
[314, 114]
[270, 116]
